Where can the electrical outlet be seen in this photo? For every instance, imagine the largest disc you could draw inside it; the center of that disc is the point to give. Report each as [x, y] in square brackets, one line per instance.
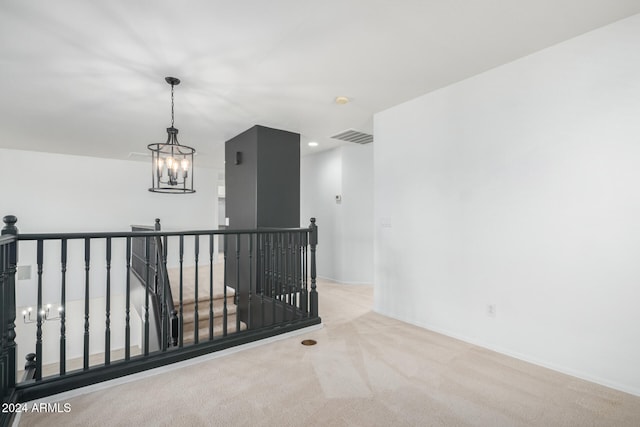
[491, 310]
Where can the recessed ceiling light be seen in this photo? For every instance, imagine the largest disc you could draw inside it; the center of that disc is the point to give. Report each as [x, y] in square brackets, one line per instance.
[341, 100]
[313, 144]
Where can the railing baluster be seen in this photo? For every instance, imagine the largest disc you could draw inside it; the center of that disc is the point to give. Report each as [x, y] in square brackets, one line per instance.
[87, 266]
[263, 276]
[161, 291]
[147, 263]
[174, 327]
[275, 271]
[63, 304]
[164, 302]
[313, 240]
[305, 289]
[272, 266]
[295, 255]
[273, 277]
[196, 328]
[237, 295]
[107, 331]
[181, 260]
[39, 261]
[294, 275]
[285, 282]
[265, 265]
[292, 266]
[299, 272]
[211, 287]
[224, 291]
[283, 276]
[127, 316]
[250, 281]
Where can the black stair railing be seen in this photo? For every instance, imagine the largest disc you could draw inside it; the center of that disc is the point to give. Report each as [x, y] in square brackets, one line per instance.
[285, 271]
[271, 275]
[154, 277]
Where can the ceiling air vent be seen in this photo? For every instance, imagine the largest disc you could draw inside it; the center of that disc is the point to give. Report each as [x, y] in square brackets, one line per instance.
[351, 135]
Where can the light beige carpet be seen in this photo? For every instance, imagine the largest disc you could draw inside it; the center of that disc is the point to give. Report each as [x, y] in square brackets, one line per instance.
[366, 370]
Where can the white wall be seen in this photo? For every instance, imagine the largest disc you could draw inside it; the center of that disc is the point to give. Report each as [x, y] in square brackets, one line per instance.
[345, 247]
[519, 188]
[320, 182]
[62, 193]
[357, 214]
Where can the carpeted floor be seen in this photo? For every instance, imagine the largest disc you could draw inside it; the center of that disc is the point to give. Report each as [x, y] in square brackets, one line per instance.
[366, 370]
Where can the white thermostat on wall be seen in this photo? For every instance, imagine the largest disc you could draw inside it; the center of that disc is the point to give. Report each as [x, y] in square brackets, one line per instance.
[338, 198]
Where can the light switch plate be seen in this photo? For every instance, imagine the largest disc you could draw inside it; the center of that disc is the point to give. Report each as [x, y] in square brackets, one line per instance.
[24, 272]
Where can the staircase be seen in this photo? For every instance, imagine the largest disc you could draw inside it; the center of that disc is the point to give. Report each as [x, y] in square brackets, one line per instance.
[189, 301]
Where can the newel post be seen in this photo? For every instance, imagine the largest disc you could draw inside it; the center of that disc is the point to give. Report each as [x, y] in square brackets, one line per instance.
[8, 298]
[313, 242]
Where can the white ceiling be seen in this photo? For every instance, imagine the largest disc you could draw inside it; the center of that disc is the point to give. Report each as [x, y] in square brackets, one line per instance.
[87, 78]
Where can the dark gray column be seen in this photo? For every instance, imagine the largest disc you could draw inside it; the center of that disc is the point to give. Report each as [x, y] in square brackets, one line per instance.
[262, 177]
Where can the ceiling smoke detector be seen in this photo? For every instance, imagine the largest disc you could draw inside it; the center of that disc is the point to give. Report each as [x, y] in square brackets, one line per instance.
[352, 135]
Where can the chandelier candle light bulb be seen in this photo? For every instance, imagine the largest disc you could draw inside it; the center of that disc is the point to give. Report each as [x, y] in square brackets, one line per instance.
[45, 314]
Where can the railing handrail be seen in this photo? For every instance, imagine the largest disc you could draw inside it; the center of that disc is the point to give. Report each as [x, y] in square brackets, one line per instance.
[7, 239]
[161, 293]
[159, 299]
[123, 234]
[166, 297]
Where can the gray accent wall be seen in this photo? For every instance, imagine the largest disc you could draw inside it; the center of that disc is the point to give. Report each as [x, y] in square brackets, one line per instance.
[264, 189]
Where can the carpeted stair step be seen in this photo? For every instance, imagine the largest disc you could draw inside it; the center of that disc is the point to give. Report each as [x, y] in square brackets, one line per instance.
[188, 284]
[188, 317]
[220, 291]
[203, 297]
[203, 333]
[218, 304]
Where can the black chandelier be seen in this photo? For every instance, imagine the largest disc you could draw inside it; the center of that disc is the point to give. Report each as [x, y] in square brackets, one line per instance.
[171, 163]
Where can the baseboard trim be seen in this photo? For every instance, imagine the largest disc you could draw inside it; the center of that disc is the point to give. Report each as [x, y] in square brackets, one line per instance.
[342, 282]
[516, 355]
